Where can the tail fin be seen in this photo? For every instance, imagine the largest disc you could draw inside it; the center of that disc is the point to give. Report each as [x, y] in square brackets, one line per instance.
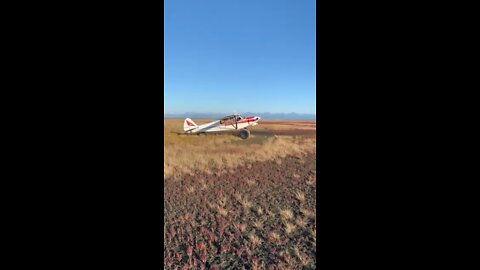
[188, 124]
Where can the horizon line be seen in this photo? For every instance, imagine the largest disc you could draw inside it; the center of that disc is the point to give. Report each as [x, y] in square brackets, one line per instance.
[226, 113]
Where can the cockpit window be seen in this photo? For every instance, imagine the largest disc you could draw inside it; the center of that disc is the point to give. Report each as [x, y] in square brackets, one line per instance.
[231, 118]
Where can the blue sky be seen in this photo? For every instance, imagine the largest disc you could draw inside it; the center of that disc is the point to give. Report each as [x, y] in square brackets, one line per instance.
[233, 56]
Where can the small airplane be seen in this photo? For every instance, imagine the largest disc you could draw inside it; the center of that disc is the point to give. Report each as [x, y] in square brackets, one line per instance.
[227, 123]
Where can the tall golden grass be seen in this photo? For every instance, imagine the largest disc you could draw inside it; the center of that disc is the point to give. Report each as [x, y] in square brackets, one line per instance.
[187, 154]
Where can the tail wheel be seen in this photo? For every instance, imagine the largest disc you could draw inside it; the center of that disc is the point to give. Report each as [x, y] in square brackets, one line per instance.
[244, 134]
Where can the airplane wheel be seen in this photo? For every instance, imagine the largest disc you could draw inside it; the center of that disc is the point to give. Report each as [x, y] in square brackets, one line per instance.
[244, 134]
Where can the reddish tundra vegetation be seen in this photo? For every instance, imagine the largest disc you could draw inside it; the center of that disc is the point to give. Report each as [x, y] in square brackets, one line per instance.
[258, 214]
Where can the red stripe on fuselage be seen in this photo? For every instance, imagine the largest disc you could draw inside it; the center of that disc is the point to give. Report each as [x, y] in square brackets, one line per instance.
[248, 120]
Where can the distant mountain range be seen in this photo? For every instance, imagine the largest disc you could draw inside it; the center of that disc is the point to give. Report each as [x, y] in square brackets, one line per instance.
[265, 115]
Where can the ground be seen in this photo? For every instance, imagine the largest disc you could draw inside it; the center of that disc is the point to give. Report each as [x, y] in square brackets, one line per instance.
[241, 204]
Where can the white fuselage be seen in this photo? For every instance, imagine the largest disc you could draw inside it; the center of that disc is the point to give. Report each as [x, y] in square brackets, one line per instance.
[216, 126]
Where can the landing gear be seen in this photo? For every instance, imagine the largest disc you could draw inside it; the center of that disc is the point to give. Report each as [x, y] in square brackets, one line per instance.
[244, 134]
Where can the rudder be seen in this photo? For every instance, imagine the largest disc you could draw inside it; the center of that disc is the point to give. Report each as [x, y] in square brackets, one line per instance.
[188, 124]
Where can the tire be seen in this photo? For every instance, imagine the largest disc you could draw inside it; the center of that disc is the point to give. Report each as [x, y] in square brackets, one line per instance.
[244, 134]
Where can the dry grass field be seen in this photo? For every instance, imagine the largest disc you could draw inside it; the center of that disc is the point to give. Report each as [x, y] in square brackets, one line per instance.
[240, 204]
[220, 152]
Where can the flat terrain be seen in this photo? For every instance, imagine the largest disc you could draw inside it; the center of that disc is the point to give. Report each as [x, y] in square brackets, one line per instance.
[240, 204]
